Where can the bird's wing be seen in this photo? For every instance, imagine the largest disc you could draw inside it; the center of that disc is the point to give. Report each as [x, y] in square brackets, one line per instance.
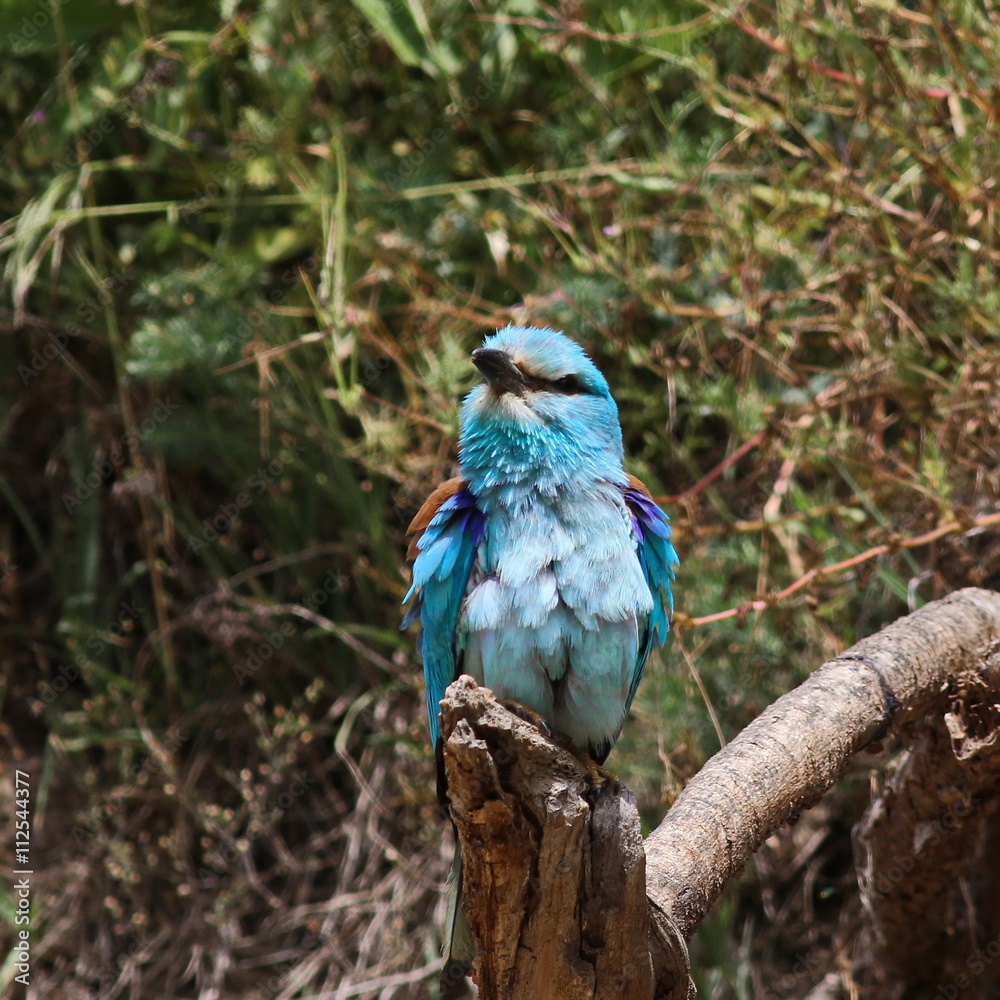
[445, 536]
[657, 557]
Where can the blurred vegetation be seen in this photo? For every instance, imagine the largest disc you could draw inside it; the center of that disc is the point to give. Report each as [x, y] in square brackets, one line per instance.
[247, 249]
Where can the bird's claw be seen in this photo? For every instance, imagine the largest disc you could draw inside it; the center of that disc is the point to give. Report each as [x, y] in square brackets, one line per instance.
[601, 778]
[521, 712]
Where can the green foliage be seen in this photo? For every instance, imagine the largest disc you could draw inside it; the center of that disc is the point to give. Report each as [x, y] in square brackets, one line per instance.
[247, 251]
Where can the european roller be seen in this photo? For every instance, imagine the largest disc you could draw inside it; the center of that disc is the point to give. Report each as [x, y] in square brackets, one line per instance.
[543, 569]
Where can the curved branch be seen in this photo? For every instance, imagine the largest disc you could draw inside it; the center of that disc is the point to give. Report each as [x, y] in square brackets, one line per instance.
[553, 873]
[795, 750]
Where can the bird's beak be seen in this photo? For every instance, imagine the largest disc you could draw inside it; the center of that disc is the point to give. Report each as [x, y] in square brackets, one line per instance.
[499, 370]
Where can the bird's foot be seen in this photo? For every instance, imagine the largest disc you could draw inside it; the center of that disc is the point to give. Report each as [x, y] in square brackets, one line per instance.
[601, 779]
[526, 713]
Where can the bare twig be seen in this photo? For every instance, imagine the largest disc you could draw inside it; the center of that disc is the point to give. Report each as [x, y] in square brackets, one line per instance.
[951, 528]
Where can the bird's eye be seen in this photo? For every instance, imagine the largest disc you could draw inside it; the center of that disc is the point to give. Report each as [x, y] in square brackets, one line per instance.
[569, 384]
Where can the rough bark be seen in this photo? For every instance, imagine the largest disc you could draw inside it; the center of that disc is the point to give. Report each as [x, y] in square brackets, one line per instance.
[555, 899]
[554, 871]
[929, 832]
[795, 750]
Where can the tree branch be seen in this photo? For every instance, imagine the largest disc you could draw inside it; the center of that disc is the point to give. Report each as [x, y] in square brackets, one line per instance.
[553, 869]
[795, 749]
[920, 846]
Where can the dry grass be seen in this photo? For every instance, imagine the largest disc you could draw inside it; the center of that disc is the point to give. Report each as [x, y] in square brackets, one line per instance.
[773, 226]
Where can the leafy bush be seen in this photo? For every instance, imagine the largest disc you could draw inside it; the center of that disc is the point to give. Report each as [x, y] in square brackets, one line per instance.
[246, 256]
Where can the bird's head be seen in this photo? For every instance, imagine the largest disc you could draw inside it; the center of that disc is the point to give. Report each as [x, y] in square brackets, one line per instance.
[544, 414]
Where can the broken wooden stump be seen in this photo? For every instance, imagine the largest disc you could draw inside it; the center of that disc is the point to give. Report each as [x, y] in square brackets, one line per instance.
[554, 869]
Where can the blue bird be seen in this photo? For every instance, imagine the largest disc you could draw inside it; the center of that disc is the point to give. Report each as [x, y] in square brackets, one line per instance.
[544, 569]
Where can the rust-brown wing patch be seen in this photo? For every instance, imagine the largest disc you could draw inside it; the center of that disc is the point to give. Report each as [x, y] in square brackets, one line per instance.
[636, 484]
[425, 515]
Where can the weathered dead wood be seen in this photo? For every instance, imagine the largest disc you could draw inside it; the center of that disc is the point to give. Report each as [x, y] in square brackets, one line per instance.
[554, 870]
[794, 750]
[922, 849]
[533, 842]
